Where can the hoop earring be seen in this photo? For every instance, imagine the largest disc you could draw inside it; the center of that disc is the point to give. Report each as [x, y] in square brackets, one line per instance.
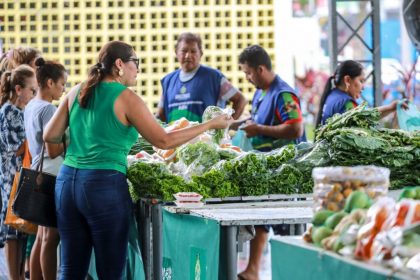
[120, 73]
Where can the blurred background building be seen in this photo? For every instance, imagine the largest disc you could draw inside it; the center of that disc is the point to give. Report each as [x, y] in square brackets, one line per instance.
[73, 31]
[295, 33]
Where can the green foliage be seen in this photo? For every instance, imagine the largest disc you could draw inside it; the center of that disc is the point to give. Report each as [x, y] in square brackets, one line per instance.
[141, 145]
[210, 113]
[199, 154]
[155, 181]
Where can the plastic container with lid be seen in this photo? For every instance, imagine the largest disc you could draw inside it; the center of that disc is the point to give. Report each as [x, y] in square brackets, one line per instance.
[334, 184]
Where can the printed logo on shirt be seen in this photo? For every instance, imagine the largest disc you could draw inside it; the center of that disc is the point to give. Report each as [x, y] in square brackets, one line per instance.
[183, 94]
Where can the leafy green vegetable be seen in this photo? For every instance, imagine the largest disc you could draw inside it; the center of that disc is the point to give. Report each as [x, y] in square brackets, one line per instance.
[209, 113]
[141, 145]
[250, 173]
[216, 183]
[154, 180]
[358, 117]
[278, 156]
[285, 180]
[199, 154]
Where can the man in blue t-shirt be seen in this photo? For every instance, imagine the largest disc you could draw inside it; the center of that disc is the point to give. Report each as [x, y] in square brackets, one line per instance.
[276, 120]
[188, 91]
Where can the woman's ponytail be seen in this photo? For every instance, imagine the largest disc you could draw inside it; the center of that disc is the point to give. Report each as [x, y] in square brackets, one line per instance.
[327, 89]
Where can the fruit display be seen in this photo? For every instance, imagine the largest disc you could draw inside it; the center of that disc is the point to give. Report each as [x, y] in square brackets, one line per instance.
[381, 230]
[333, 185]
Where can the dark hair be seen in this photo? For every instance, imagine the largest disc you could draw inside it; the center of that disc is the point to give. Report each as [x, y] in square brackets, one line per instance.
[46, 70]
[189, 37]
[108, 54]
[346, 68]
[255, 56]
[10, 79]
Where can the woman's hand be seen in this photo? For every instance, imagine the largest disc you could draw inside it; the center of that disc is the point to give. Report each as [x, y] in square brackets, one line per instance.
[394, 104]
[392, 107]
[221, 122]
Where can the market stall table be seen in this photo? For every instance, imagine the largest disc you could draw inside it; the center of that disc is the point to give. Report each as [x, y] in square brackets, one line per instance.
[227, 220]
[290, 254]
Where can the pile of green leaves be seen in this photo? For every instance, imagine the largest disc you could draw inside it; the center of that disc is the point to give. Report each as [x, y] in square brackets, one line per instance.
[285, 180]
[199, 154]
[279, 156]
[249, 172]
[209, 113]
[354, 139]
[215, 183]
[141, 145]
[154, 180]
[360, 116]
[397, 150]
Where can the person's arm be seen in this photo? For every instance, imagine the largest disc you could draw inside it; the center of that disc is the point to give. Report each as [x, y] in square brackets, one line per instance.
[285, 131]
[385, 110]
[58, 124]
[288, 112]
[142, 119]
[238, 104]
[161, 114]
[230, 93]
[54, 150]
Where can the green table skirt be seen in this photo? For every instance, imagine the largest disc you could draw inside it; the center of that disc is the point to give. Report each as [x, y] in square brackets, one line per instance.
[291, 258]
[190, 247]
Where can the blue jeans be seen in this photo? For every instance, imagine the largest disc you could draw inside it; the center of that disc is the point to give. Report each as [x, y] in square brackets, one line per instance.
[93, 211]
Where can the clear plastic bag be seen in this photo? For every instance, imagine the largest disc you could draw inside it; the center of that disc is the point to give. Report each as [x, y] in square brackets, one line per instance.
[332, 185]
[196, 158]
[242, 141]
[220, 136]
[408, 119]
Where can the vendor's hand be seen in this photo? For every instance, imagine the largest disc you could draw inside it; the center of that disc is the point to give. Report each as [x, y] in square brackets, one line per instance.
[394, 104]
[251, 129]
[221, 121]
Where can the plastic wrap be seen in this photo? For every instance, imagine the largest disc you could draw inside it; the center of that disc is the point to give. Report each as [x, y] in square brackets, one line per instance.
[334, 184]
[197, 158]
[220, 136]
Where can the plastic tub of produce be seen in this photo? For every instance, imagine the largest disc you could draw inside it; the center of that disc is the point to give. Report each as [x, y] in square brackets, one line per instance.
[334, 184]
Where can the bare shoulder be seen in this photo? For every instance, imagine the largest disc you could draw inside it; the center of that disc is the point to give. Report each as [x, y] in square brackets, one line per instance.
[129, 97]
[71, 95]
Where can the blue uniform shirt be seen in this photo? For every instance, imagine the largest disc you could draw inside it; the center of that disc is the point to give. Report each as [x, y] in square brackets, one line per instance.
[189, 99]
[337, 102]
[279, 105]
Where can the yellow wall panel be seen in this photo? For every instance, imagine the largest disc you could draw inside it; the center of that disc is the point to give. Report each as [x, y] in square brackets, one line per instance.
[73, 31]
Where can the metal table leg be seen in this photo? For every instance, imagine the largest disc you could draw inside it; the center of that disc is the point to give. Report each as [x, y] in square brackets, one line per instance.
[145, 224]
[231, 235]
[157, 241]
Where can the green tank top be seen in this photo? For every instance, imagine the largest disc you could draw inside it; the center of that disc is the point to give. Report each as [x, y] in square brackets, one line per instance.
[98, 140]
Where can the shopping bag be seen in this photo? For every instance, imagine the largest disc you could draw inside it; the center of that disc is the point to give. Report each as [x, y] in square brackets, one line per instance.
[11, 219]
[408, 119]
[240, 140]
[35, 199]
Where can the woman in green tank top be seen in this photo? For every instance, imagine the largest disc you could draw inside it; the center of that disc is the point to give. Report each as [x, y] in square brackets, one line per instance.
[104, 118]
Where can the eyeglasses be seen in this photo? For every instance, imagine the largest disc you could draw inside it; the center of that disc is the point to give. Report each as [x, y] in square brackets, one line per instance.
[136, 60]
